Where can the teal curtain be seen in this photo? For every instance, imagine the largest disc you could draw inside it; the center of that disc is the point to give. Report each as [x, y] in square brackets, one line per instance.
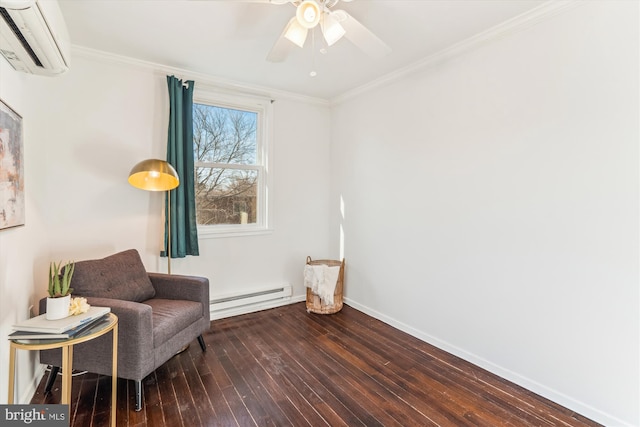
[184, 232]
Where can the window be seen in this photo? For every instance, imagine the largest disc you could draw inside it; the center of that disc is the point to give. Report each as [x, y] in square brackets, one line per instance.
[230, 149]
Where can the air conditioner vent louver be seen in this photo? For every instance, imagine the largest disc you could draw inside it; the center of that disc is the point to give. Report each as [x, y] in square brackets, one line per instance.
[33, 36]
[7, 18]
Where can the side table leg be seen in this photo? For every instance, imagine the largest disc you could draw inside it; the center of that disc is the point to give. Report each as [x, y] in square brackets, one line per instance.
[114, 376]
[12, 372]
[70, 377]
[66, 375]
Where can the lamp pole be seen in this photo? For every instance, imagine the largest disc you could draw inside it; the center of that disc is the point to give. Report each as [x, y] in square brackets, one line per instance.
[169, 234]
[157, 175]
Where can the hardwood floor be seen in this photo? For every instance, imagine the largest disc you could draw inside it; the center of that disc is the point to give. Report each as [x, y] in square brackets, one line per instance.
[285, 367]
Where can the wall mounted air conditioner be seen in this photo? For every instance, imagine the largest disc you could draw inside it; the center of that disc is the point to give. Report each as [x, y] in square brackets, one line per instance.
[34, 37]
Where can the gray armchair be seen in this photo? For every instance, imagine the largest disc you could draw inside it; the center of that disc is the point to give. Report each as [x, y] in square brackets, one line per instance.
[158, 315]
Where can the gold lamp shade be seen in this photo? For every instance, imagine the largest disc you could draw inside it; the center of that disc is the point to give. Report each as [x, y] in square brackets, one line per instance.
[154, 175]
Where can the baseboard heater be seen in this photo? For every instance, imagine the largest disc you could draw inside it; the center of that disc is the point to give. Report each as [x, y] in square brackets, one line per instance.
[249, 301]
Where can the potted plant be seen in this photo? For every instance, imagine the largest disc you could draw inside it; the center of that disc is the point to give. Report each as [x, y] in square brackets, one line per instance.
[59, 290]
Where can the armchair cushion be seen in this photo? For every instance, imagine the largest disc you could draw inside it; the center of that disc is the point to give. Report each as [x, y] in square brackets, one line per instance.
[170, 317]
[120, 276]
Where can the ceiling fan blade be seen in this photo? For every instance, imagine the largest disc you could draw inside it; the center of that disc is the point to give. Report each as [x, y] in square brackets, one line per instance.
[282, 46]
[360, 36]
[280, 50]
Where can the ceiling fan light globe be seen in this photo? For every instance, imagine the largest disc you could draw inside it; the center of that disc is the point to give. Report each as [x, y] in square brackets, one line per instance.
[308, 13]
[296, 33]
[331, 29]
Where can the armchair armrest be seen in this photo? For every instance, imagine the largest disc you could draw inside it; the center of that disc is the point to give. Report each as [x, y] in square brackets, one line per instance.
[173, 286]
[132, 316]
[135, 346]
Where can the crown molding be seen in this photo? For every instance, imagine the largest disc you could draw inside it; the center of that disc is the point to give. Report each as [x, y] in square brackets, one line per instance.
[200, 78]
[506, 28]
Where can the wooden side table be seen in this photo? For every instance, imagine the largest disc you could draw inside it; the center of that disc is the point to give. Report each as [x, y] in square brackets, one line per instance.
[66, 345]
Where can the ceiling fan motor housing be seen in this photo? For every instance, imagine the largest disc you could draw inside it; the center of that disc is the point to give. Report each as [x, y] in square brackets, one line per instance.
[308, 13]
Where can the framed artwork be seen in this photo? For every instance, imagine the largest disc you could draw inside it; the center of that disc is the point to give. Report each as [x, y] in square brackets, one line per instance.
[11, 168]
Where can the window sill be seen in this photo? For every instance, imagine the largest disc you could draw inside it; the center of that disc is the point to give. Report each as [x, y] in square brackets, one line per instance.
[222, 232]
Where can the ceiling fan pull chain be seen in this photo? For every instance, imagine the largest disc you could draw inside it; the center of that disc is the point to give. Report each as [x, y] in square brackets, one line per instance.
[325, 46]
[313, 53]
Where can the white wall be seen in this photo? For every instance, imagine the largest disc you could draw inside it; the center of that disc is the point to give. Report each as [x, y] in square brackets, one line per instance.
[19, 246]
[84, 131]
[491, 206]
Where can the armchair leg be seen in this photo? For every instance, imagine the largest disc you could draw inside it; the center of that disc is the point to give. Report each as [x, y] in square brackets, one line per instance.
[53, 373]
[203, 346]
[138, 395]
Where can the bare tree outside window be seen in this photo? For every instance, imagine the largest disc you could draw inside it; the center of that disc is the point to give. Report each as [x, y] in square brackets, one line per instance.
[227, 171]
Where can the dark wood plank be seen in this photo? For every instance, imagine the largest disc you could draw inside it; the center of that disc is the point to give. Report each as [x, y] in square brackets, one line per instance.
[271, 367]
[184, 399]
[265, 366]
[390, 373]
[215, 381]
[317, 392]
[245, 363]
[102, 404]
[286, 367]
[238, 395]
[83, 412]
[152, 403]
[167, 394]
[201, 401]
[365, 405]
[122, 405]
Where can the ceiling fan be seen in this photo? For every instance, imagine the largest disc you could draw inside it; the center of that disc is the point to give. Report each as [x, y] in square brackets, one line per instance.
[333, 23]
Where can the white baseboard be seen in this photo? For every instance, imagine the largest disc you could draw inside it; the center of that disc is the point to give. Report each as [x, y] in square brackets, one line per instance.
[553, 395]
[32, 386]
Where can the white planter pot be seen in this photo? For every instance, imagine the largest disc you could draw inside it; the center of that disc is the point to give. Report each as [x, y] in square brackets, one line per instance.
[58, 308]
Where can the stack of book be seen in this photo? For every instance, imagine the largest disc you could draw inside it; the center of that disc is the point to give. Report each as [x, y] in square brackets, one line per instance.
[39, 328]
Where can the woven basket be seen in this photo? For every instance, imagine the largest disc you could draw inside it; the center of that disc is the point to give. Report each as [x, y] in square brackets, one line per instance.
[314, 303]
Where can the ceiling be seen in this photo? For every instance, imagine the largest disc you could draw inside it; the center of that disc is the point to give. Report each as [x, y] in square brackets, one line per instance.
[230, 39]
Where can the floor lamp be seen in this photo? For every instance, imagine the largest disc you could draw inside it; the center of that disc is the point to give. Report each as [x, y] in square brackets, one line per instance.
[157, 175]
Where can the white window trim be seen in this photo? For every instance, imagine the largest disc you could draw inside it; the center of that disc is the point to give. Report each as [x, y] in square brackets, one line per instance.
[264, 137]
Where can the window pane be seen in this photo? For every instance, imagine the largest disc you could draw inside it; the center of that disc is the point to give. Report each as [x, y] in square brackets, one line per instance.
[226, 196]
[223, 135]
